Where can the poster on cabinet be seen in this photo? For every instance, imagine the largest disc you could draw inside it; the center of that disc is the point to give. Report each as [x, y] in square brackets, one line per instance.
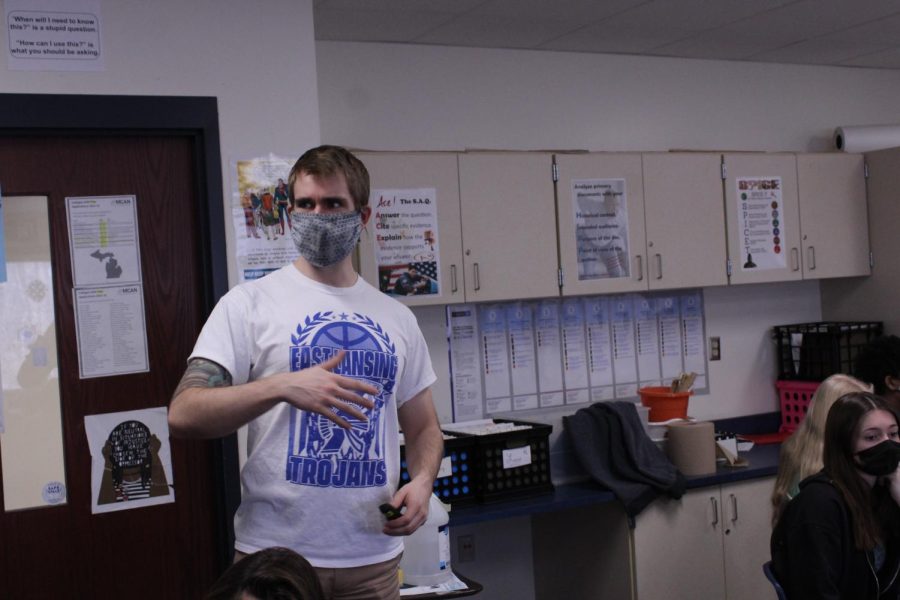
[601, 228]
[406, 241]
[131, 462]
[760, 213]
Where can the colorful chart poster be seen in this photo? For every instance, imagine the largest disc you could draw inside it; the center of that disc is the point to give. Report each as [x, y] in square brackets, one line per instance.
[549, 352]
[596, 313]
[601, 228]
[103, 240]
[261, 210]
[575, 367]
[406, 241]
[131, 462]
[760, 213]
[520, 325]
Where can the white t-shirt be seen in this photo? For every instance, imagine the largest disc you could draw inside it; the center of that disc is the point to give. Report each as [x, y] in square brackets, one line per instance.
[308, 484]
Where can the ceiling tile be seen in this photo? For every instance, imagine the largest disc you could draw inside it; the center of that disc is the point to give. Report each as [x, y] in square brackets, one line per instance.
[496, 32]
[693, 15]
[615, 39]
[374, 26]
[882, 31]
[887, 59]
[586, 11]
[715, 44]
[452, 7]
[820, 52]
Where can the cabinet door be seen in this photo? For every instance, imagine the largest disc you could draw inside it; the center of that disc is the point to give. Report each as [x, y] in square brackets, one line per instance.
[678, 548]
[685, 217]
[763, 217]
[601, 223]
[400, 171]
[509, 226]
[833, 216]
[748, 517]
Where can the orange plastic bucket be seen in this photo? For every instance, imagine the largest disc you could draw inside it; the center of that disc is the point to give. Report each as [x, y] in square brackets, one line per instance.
[664, 404]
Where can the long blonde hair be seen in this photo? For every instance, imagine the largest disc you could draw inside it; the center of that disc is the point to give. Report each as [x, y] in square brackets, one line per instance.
[801, 454]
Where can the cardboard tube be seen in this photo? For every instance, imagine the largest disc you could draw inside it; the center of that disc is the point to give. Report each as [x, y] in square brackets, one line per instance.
[692, 447]
[866, 138]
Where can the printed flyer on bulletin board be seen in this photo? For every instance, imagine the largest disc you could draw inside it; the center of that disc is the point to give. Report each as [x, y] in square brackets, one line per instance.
[601, 228]
[406, 241]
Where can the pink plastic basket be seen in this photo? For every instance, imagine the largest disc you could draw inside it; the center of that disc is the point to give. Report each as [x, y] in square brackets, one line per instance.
[795, 397]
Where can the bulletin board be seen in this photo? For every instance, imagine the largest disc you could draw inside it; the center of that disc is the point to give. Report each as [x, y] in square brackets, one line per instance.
[545, 354]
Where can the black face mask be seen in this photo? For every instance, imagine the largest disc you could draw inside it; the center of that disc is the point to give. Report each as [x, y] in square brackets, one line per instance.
[881, 459]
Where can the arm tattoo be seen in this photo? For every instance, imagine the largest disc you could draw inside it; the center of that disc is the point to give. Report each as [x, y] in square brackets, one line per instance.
[203, 373]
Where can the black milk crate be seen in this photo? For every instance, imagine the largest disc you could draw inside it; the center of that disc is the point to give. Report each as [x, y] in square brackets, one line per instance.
[457, 478]
[511, 464]
[814, 351]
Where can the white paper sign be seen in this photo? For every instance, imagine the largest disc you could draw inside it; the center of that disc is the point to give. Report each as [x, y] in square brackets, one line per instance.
[54, 35]
[517, 457]
[446, 468]
[601, 228]
[131, 462]
[760, 213]
[111, 331]
[103, 240]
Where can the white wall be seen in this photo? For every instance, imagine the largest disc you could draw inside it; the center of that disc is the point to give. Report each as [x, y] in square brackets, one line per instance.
[407, 97]
[257, 58]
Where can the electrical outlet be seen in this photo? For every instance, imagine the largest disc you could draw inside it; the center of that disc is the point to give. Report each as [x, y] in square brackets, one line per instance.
[465, 548]
[715, 348]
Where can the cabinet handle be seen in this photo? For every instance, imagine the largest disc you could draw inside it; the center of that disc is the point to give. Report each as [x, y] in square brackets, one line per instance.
[453, 287]
[640, 267]
[477, 279]
[734, 513]
[715, 509]
[811, 254]
[659, 266]
[795, 259]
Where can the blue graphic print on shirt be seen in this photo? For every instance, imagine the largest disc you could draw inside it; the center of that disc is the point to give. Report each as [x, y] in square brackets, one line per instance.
[320, 453]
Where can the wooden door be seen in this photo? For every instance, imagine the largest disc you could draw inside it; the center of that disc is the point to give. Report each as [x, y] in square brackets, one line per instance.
[164, 551]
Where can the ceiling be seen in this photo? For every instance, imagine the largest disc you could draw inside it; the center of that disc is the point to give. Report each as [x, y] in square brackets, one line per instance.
[848, 33]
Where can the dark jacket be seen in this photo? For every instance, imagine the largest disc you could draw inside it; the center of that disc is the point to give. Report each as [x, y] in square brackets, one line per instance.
[814, 554]
[613, 448]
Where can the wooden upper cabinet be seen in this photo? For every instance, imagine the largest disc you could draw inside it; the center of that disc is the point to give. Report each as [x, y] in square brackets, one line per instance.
[763, 217]
[685, 220]
[397, 171]
[833, 215]
[602, 245]
[509, 225]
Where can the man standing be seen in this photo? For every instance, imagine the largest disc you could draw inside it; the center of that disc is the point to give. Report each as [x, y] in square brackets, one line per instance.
[325, 369]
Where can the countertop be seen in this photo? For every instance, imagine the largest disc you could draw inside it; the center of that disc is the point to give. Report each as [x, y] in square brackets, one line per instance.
[762, 458]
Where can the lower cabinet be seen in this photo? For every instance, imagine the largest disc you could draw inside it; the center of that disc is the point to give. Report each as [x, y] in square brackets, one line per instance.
[711, 543]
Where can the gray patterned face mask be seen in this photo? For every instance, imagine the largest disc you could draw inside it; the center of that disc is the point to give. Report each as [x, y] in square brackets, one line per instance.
[324, 240]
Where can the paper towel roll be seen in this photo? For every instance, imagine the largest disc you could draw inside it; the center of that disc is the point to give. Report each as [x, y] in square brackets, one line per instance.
[865, 138]
[692, 447]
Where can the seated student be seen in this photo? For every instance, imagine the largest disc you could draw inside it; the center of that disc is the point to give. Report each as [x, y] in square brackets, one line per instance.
[878, 363]
[801, 454]
[270, 574]
[840, 536]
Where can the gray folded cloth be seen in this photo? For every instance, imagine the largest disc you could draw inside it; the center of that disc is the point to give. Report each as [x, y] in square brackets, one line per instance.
[614, 449]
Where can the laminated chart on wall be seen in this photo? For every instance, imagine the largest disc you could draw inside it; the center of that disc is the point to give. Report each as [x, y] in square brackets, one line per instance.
[529, 356]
